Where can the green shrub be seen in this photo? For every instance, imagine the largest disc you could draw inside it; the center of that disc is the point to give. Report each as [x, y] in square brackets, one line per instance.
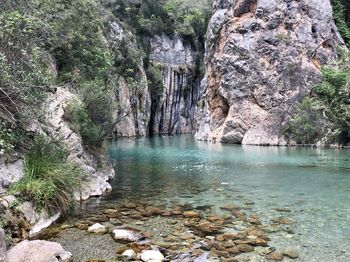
[340, 17]
[7, 138]
[326, 113]
[77, 115]
[307, 126]
[48, 179]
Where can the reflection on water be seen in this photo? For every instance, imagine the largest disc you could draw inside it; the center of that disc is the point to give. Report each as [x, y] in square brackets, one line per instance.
[313, 183]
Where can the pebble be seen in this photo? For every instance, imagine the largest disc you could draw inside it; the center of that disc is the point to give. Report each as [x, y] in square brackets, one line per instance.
[275, 256]
[97, 228]
[291, 252]
[152, 256]
[129, 253]
[126, 235]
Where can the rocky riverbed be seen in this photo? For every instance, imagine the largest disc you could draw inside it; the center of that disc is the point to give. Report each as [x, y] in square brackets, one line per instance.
[130, 230]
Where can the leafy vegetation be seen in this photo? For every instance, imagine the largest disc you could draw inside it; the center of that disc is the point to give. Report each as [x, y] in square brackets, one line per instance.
[46, 43]
[325, 115]
[48, 180]
[341, 9]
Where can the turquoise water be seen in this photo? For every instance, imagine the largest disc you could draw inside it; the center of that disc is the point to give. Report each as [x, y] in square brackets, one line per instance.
[313, 183]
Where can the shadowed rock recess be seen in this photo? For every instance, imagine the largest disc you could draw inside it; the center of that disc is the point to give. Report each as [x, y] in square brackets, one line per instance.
[262, 57]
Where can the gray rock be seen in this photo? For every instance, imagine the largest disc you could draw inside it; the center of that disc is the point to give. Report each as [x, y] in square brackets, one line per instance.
[291, 252]
[38, 251]
[171, 51]
[10, 172]
[259, 63]
[2, 245]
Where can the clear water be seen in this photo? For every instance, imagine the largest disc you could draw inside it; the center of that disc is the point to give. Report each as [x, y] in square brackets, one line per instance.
[313, 183]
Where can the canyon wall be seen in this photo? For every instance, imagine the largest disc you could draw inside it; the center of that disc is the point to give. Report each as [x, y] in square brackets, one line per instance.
[262, 58]
[174, 108]
[169, 108]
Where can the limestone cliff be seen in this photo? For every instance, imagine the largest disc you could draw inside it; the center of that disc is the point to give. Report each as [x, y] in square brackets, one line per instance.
[171, 107]
[262, 57]
[173, 110]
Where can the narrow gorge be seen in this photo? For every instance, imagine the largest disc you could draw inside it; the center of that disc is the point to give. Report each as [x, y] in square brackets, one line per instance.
[174, 130]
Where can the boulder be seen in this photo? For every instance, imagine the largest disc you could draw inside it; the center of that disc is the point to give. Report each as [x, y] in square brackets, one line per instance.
[38, 251]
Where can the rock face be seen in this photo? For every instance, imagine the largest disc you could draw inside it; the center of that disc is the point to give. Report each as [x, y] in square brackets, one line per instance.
[262, 57]
[97, 178]
[173, 111]
[11, 170]
[38, 251]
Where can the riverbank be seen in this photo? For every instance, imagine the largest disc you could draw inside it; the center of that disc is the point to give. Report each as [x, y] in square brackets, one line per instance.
[180, 232]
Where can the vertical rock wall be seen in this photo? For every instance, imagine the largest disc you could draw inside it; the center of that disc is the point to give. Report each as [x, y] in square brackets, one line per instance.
[174, 110]
[262, 58]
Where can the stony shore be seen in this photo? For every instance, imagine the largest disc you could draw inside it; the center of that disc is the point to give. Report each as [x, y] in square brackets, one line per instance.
[142, 231]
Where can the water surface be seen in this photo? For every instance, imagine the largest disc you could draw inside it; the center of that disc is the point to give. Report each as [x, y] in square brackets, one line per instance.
[313, 183]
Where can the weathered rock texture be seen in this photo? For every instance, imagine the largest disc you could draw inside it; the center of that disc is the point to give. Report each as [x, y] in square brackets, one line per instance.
[56, 126]
[174, 109]
[133, 99]
[170, 109]
[38, 251]
[262, 57]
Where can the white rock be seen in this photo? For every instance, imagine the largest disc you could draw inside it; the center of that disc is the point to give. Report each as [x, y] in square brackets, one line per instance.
[97, 228]
[38, 251]
[152, 256]
[126, 235]
[129, 253]
[43, 222]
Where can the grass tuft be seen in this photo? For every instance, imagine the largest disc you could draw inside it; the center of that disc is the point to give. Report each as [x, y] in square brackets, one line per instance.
[49, 180]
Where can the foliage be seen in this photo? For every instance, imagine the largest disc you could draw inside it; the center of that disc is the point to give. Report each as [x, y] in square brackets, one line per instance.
[48, 180]
[326, 113]
[155, 82]
[81, 123]
[7, 138]
[340, 9]
[307, 125]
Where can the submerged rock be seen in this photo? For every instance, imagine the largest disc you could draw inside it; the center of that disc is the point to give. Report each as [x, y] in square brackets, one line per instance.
[38, 251]
[275, 256]
[291, 252]
[126, 235]
[152, 256]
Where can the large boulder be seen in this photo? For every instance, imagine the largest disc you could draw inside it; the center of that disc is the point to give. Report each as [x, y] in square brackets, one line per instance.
[38, 251]
[262, 58]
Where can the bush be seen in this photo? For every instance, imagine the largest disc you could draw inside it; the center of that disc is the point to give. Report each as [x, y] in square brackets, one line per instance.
[326, 113]
[340, 9]
[307, 126]
[48, 179]
[76, 114]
